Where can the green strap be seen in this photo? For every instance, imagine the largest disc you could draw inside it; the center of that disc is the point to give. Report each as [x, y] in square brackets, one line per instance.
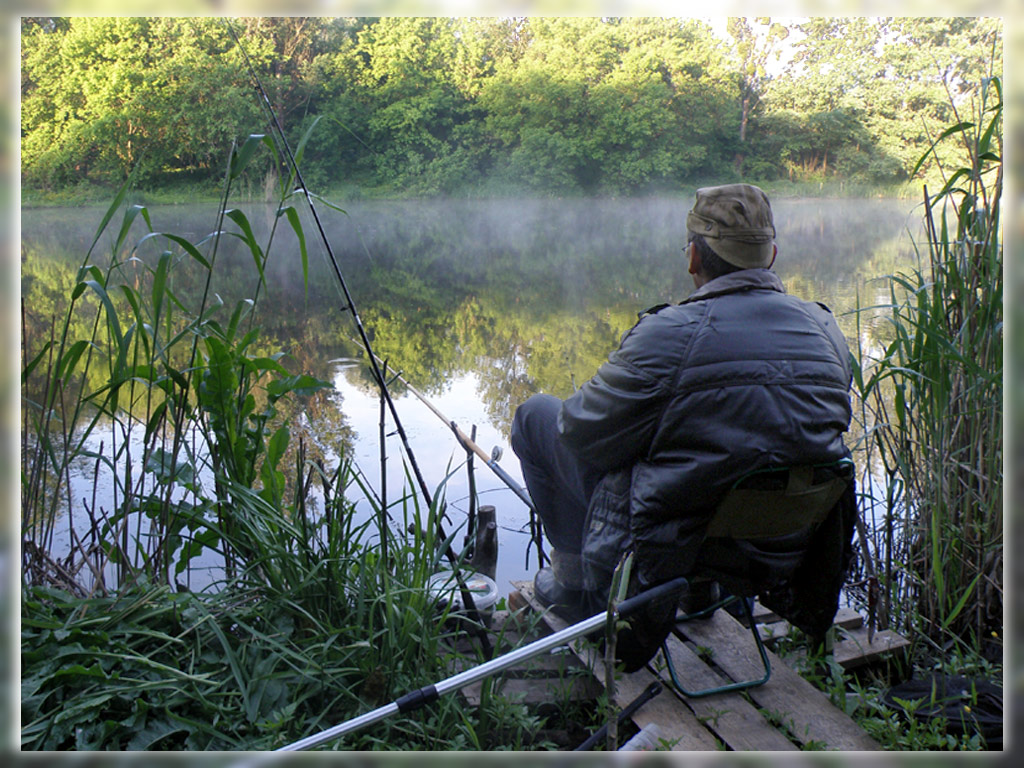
[754, 513]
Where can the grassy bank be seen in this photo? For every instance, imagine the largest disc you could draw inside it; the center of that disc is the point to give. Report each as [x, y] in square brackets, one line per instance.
[88, 194]
[227, 594]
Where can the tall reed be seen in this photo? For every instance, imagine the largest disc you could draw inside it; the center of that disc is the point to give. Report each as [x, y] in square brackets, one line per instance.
[933, 402]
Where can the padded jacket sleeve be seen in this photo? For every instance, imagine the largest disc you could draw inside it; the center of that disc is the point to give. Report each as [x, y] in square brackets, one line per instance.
[611, 420]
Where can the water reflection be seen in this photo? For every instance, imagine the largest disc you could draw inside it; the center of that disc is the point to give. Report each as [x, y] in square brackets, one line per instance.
[478, 304]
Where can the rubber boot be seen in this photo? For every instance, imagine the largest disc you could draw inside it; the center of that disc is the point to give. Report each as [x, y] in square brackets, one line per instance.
[560, 586]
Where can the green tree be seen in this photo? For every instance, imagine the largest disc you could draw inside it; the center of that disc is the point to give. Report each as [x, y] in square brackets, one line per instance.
[754, 49]
[104, 96]
[608, 104]
[554, 105]
[664, 113]
[420, 126]
[863, 96]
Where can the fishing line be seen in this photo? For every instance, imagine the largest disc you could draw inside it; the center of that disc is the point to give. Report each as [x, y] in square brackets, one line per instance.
[467, 598]
[492, 463]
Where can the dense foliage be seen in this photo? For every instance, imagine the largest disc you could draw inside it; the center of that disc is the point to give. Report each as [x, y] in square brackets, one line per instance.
[479, 105]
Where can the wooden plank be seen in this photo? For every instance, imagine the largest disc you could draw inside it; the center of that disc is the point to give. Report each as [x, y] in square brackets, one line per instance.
[802, 708]
[763, 615]
[771, 633]
[538, 690]
[848, 618]
[854, 650]
[729, 715]
[677, 724]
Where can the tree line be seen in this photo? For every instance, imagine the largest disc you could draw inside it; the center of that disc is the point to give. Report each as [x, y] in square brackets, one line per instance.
[440, 105]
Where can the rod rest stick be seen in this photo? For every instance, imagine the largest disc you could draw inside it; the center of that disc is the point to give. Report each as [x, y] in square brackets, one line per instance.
[627, 712]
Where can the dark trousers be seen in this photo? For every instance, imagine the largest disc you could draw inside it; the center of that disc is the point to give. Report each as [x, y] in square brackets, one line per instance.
[560, 485]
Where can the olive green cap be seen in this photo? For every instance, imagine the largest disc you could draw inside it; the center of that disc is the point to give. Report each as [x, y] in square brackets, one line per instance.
[736, 221]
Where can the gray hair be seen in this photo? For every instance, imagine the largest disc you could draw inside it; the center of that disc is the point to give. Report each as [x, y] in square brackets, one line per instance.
[712, 265]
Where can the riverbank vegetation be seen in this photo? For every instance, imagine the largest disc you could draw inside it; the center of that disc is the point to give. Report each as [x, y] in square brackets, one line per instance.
[223, 593]
[498, 106]
[931, 403]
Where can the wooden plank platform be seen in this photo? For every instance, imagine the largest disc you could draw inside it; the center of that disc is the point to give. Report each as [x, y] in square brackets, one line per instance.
[556, 675]
[787, 713]
[852, 648]
[787, 699]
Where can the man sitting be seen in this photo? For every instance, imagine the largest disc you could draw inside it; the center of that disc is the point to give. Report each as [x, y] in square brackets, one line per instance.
[738, 377]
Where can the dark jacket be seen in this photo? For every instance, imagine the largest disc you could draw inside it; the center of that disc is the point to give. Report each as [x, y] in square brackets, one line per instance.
[738, 377]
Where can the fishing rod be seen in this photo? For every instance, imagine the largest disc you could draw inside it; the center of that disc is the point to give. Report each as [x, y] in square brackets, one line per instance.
[490, 460]
[467, 598]
[431, 693]
[350, 304]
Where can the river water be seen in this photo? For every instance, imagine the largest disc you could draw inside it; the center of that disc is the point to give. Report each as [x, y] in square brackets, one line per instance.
[477, 303]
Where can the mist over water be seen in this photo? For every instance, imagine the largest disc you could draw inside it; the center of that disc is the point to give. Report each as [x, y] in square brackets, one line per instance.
[478, 304]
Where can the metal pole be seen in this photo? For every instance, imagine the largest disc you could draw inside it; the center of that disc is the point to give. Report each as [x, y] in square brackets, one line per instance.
[431, 693]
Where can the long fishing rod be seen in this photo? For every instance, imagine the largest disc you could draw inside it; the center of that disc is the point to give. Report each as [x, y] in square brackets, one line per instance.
[350, 304]
[490, 460]
[431, 693]
[467, 598]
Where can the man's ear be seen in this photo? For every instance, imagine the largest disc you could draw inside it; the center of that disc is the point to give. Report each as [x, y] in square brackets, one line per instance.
[695, 262]
[775, 252]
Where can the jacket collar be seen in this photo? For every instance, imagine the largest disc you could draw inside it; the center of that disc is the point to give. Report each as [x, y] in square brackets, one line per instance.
[743, 280]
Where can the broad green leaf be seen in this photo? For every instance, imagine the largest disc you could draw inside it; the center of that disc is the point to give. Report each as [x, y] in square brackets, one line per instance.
[241, 158]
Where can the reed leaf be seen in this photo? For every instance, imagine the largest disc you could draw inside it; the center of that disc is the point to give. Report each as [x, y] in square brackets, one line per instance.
[293, 219]
[241, 157]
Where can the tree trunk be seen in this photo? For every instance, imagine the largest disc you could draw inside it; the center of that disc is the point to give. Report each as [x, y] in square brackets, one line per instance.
[744, 115]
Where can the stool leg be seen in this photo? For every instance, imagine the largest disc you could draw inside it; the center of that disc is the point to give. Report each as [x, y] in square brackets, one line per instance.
[739, 686]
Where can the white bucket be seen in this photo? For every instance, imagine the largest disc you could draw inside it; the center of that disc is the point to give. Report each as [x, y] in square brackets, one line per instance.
[482, 589]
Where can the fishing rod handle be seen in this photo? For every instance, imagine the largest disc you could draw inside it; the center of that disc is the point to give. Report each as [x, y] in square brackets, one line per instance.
[630, 605]
[341, 729]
